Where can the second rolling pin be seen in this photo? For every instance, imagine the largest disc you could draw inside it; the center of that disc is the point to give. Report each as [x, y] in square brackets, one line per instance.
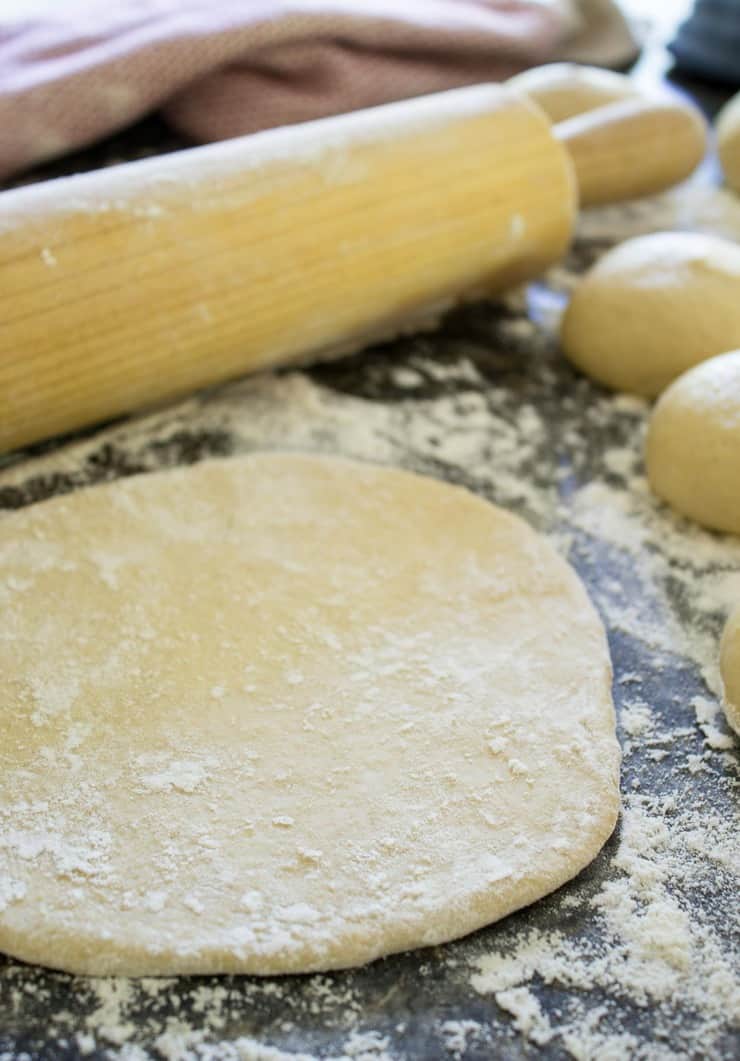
[633, 147]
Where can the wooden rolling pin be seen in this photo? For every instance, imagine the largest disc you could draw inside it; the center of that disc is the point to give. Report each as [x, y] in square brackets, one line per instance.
[633, 147]
[141, 282]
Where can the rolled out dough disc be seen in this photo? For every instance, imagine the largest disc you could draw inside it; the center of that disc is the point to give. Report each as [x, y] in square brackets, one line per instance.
[284, 713]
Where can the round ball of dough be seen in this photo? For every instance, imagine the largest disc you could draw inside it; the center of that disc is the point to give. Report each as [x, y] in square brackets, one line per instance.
[728, 141]
[566, 89]
[693, 444]
[653, 307]
[729, 665]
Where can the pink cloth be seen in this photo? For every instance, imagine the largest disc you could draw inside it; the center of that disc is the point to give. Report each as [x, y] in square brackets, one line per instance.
[219, 68]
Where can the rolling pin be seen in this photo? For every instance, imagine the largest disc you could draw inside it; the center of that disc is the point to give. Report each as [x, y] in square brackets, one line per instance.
[139, 283]
[633, 147]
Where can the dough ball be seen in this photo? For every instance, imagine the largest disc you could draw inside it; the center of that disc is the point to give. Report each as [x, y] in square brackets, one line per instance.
[566, 89]
[653, 307]
[728, 141]
[693, 444]
[729, 665]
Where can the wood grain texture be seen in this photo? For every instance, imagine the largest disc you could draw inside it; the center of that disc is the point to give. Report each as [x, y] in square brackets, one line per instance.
[135, 284]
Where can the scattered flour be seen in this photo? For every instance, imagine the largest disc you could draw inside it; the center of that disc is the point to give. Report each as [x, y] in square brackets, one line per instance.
[457, 1034]
[183, 776]
[643, 961]
[645, 944]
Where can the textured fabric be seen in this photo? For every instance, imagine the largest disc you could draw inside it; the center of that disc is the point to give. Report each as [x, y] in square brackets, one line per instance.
[220, 68]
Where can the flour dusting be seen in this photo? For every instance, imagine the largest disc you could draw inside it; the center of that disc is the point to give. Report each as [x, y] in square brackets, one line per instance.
[635, 958]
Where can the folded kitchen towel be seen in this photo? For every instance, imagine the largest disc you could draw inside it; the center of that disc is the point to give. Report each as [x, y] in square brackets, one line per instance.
[73, 73]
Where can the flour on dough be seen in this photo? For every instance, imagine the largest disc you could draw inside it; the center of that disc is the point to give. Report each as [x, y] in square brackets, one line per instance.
[285, 713]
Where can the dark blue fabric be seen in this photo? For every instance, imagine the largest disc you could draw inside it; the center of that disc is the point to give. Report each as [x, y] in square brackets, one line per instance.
[708, 42]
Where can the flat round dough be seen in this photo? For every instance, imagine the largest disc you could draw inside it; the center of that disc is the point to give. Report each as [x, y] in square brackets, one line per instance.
[728, 141]
[287, 713]
[566, 89]
[652, 307]
[693, 444]
[729, 665]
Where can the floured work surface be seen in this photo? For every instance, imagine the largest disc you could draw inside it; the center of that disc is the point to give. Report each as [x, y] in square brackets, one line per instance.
[637, 956]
